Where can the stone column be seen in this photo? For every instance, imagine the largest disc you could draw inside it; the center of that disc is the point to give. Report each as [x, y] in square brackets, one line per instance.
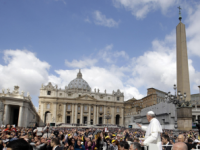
[97, 114]
[89, 114]
[26, 117]
[113, 115]
[81, 116]
[94, 120]
[7, 114]
[54, 114]
[41, 114]
[75, 121]
[21, 118]
[122, 116]
[64, 113]
[104, 120]
[72, 120]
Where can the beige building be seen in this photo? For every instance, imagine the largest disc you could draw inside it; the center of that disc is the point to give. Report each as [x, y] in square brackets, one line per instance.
[78, 104]
[17, 109]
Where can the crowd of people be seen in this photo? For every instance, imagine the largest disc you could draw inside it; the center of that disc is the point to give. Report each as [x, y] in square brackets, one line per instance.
[58, 138]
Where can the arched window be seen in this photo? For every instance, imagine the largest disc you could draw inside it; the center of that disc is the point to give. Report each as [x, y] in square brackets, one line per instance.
[117, 109]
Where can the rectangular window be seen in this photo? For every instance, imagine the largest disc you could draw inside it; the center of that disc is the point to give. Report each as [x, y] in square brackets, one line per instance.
[108, 97]
[100, 109]
[118, 98]
[117, 109]
[48, 106]
[60, 94]
[69, 107]
[91, 108]
[85, 108]
[69, 94]
[48, 92]
[78, 108]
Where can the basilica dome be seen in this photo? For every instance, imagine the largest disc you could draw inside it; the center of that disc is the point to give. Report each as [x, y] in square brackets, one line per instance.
[79, 83]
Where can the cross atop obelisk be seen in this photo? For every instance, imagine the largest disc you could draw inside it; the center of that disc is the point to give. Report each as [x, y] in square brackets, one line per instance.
[180, 17]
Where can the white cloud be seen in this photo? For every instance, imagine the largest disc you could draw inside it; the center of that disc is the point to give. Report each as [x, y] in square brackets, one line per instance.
[193, 32]
[100, 19]
[140, 8]
[63, 1]
[87, 62]
[108, 55]
[24, 69]
[87, 20]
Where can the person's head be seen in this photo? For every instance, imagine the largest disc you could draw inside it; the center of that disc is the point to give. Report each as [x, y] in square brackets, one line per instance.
[165, 139]
[42, 140]
[190, 141]
[86, 130]
[89, 143]
[181, 138]
[19, 144]
[54, 142]
[150, 115]
[135, 146]
[179, 146]
[79, 143]
[113, 142]
[72, 140]
[121, 145]
[126, 146]
[8, 126]
[71, 147]
[118, 136]
[35, 138]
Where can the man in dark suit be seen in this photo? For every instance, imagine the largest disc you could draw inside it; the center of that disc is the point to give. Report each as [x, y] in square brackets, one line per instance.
[166, 143]
[55, 144]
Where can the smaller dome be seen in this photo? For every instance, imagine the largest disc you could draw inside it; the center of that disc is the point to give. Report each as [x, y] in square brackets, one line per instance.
[79, 83]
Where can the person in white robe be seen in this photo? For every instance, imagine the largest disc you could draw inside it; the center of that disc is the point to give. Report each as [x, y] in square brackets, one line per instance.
[153, 131]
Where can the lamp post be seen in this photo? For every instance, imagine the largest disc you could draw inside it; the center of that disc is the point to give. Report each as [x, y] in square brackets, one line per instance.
[107, 117]
[179, 101]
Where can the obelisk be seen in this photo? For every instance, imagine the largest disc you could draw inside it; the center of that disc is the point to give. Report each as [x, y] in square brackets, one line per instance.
[184, 113]
[183, 81]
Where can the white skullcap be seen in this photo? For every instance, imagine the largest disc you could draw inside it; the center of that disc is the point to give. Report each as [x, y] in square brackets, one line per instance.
[150, 113]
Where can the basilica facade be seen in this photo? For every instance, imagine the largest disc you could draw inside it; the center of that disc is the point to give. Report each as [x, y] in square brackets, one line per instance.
[78, 104]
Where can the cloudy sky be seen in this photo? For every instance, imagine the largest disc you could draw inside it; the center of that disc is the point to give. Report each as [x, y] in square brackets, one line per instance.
[118, 44]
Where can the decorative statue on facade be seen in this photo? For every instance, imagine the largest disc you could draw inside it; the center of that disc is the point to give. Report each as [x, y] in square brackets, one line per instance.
[3, 91]
[16, 89]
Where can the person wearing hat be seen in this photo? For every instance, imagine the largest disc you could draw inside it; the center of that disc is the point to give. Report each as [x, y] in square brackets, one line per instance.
[114, 146]
[108, 142]
[153, 131]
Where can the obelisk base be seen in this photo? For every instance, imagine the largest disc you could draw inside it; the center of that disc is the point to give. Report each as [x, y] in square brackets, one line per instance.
[184, 118]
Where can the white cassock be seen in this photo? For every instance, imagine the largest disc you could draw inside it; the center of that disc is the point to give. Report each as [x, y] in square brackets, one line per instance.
[152, 136]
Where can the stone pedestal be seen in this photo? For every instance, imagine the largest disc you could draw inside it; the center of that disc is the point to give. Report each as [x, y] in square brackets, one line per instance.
[184, 118]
